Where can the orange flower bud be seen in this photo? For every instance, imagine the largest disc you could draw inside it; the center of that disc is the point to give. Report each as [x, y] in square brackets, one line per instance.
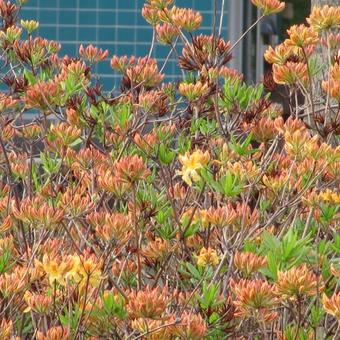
[254, 298]
[269, 6]
[324, 18]
[193, 91]
[301, 36]
[6, 328]
[290, 73]
[296, 282]
[166, 33]
[54, 333]
[186, 19]
[147, 303]
[249, 263]
[279, 55]
[93, 54]
[332, 304]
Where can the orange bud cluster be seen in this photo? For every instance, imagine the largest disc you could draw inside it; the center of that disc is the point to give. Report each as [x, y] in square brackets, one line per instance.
[192, 326]
[160, 4]
[144, 72]
[269, 6]
[186, 18]
[254, 298]
[13, 283]
[109, 226]
[222, 216]
[121, 64]
[249, 263]
[301, 36]
[55, 333]
[93, 54]
[148, 303]
[64, 133]
[109, 181]
[36, 211]
[166, 33]
[6, 327]
[42, 95]
[332, 86]
[157, 250]
[332, 304]
[290, 73]
[324, 18]
[38, 303]
[131, 169]
[278, 55]
[296, 282]
[193, 91]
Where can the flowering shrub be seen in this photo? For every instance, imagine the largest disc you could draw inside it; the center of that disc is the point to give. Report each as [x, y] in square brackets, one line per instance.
[197, 210]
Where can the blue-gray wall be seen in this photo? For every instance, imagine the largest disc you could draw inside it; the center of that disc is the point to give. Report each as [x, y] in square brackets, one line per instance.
[116, 25]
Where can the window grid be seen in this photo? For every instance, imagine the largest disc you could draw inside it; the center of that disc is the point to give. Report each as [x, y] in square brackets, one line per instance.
[116, 25]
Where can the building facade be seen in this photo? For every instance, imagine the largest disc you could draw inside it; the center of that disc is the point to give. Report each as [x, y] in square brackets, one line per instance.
[116, 25]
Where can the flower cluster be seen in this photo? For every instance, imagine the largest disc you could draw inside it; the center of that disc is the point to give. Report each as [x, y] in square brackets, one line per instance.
[197, 209]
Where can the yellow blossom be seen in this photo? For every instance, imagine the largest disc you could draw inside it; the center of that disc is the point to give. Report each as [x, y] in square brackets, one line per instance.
[330, 196]
[86, 271]
[55, 268]
[207, 256]
[191, 163]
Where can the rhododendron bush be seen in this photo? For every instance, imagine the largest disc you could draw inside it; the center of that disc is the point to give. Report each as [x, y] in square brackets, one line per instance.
[190, 210]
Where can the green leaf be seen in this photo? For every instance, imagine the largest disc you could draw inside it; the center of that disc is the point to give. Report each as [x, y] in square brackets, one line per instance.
[193, 271]
[316, 315]
[49, 164]
[30, 77]
[272, 267]
[4, 260]
[214, 317]
[166, 156]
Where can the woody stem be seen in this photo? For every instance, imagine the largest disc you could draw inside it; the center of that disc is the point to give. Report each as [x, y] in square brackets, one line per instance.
[139, 269]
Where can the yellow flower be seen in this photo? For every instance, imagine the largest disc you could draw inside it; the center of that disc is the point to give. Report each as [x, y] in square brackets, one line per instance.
[30, 25]
[191, 163]
[55, 268]
[330, 196]
[86, 271]
[207, 256]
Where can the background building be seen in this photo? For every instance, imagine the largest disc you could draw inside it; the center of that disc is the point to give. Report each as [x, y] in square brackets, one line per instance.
[117, 25]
